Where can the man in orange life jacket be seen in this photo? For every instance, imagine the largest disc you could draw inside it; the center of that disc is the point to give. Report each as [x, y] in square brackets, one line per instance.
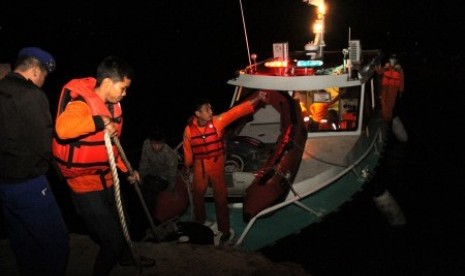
[319, 111]
[204, 151]
[392, 83]
[87, 108]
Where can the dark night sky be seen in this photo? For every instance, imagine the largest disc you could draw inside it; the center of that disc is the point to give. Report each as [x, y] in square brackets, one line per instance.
[156, 34]
[191, 48]
[187, 49]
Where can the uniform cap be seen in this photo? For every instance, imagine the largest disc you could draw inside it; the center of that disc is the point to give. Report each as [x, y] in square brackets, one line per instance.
[44, 57]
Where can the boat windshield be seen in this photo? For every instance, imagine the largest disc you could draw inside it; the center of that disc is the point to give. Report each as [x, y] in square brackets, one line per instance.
[330, 109]
[333, 109]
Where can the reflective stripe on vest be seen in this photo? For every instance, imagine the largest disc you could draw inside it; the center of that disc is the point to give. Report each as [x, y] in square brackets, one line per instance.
[206, 145]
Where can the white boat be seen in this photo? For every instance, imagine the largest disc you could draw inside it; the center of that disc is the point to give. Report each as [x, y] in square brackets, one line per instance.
[287, 169]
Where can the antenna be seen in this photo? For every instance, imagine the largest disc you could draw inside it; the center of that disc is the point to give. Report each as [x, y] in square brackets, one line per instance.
[245, 33]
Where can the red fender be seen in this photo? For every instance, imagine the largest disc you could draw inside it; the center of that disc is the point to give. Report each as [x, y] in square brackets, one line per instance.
[171, 204]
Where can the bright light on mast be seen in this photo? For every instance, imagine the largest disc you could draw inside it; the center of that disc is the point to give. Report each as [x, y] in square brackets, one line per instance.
[315, 48]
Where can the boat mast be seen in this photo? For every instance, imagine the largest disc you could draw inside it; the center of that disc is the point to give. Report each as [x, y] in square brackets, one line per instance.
[314, 49]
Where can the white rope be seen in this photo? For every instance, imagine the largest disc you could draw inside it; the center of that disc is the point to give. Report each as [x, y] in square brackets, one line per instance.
[119, 205]
[156, 233]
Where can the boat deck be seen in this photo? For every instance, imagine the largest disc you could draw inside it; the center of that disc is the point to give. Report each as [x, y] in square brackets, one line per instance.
[323, 153]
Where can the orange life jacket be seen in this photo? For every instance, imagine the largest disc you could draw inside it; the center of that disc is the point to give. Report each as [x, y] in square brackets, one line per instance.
[86, 155]
[205, 145]
[391, 77]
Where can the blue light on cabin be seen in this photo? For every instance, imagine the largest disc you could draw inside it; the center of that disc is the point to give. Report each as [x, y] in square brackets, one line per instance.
[309, 63]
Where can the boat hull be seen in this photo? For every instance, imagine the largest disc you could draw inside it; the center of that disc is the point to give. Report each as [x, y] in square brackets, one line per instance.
[317, 199]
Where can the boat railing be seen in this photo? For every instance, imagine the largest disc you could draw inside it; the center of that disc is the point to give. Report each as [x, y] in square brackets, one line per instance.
[299, 64]
[365, 173]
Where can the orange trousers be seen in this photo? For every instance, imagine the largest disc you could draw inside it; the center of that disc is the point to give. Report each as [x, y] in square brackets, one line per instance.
[388, 101]
[210, 171]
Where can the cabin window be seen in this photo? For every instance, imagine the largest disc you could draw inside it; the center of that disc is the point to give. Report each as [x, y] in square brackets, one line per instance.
[331, 109]
[349, 108]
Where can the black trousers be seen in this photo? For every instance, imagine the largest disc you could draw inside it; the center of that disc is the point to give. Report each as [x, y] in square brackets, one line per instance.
[100, 214]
